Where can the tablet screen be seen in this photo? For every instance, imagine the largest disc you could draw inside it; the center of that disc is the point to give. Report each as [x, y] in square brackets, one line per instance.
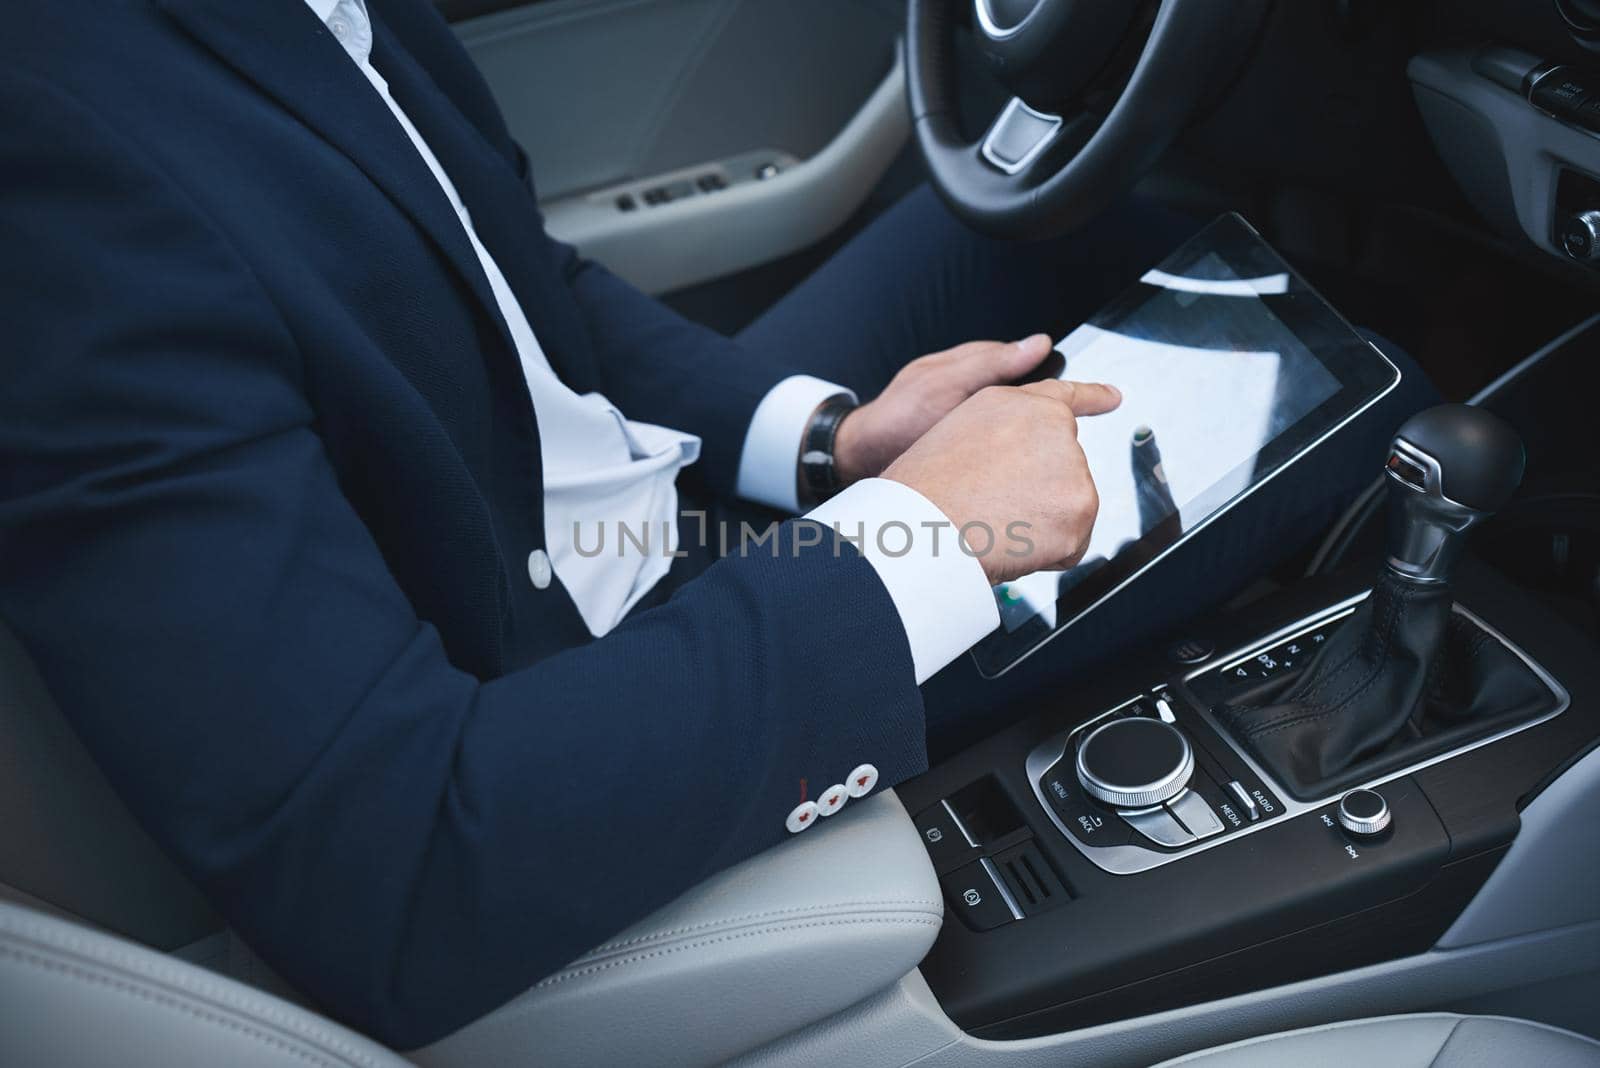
[1230, 366]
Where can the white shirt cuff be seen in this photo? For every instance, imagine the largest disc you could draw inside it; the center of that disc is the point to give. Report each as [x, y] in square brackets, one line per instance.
[940, 591]
[769, 464]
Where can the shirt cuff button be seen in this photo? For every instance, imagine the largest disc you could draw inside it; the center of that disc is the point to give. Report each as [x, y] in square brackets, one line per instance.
[803, 816]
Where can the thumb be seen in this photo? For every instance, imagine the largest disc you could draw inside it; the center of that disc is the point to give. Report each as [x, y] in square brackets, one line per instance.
[996, 363]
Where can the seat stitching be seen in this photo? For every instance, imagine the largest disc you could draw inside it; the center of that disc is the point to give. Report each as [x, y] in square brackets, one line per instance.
[169, 1001]
[1210, 1053]
[159, 968]
[1432, 1061]
[1537, 1025]
[668, 951]
[657, 936]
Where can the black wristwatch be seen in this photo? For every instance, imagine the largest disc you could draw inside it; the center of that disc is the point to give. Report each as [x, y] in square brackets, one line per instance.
[819, 477]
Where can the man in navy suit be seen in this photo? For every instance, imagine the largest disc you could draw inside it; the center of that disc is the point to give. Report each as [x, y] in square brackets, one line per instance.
[304, 419]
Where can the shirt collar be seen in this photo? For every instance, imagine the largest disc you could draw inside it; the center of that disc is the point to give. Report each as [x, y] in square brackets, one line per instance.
[350, 25]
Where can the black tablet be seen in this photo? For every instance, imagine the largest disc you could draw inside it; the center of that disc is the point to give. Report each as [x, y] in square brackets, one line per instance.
[1231, 367]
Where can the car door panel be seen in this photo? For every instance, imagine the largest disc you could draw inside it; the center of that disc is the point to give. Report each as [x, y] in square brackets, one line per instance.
[615, 99]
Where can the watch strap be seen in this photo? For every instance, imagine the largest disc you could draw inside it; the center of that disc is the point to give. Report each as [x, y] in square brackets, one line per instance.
[819, 475]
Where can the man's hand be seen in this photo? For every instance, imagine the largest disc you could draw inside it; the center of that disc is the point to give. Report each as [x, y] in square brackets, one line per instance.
[924, 392]
[1007, 470]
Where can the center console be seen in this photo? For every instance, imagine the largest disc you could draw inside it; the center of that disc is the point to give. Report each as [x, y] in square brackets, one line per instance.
[1315, 783]
[1157, 778]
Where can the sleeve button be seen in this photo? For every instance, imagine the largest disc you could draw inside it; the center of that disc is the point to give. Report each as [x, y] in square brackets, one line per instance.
[832, 800]
[803, 816]
[861, 781]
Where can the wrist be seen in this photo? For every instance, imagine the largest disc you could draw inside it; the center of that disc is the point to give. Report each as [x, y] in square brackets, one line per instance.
[849, 451]
[956, 505]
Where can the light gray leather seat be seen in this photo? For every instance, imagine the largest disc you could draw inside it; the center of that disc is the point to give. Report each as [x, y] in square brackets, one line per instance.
[773, 944]
[70, 996]
[1432, 1040]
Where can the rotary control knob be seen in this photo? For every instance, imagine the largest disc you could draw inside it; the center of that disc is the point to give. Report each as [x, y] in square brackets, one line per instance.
[1135, 762]
[1364, 812]
[1579, 235]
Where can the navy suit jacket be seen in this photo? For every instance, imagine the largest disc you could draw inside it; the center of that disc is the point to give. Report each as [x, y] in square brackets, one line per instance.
[269, 476]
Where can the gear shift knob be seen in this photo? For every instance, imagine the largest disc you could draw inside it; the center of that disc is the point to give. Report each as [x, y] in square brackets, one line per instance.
[1450, 467]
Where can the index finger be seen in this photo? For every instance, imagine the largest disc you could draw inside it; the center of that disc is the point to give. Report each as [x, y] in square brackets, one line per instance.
[1084, 398]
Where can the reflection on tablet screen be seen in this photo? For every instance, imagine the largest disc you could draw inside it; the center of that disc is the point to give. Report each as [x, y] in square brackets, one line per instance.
[1229, 364]
[1190, 419]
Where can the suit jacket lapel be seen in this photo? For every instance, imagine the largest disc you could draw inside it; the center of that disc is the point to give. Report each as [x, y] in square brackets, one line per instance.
[503, 210]
[290, 55]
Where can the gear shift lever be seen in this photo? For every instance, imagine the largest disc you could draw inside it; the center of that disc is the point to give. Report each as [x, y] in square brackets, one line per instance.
[1379, 677]
[1450, 468]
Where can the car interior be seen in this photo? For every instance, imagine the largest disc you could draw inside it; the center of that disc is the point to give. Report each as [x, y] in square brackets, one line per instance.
[1124, 875]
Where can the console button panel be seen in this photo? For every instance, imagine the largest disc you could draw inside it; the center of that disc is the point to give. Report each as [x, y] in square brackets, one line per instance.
[1159, 826]
[943, 835]
[1194, 811]
[989, 863]
[1085, 819]
[1133, 839]
[975, 894]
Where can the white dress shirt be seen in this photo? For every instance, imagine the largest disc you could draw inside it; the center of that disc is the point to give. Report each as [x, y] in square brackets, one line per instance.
[601, 467]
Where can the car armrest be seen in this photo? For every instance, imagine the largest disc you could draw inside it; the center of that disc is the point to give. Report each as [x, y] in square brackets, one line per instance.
[780, 941]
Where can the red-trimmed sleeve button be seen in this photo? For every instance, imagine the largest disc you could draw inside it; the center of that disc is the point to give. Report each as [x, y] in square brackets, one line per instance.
[832, 799]
[803, 816]
[862, 780]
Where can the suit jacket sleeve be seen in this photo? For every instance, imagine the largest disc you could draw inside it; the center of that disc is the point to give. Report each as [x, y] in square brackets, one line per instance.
[408, 845]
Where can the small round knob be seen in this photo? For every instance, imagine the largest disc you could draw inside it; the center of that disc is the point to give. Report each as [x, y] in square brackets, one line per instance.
[1135, 762]
[1579, 235]
[1364, 812]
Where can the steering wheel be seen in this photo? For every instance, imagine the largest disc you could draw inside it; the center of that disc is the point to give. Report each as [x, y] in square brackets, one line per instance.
[1047, 163]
